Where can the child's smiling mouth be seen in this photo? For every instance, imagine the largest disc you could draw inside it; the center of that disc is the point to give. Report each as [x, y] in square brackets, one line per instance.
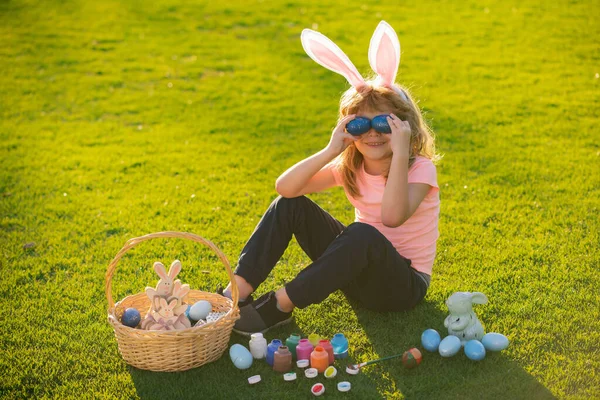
[375, 144]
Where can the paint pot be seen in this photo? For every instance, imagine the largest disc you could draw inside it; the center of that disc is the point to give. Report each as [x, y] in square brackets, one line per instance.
[352, 370]
[290, 376]
[330, 372]
[254, 379]
[326, 345]
[340, 345]
[317, 389]
[304, 349]
[344, 386]
[271, 349]
[313, 338]
[292, 343]
[311, 373]
[258, 346]
[282, 361]
[319, 359]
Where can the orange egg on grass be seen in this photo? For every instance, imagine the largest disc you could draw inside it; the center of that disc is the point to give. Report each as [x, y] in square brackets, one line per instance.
[411, 358]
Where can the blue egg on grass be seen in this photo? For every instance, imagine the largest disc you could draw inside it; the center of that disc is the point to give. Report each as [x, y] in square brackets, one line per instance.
[474, 350]
[131, 317]
[240, 356]
[430, 339]
[494, 341]
[449, 346]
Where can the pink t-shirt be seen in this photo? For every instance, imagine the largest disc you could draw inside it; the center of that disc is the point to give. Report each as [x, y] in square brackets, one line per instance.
[416, 238]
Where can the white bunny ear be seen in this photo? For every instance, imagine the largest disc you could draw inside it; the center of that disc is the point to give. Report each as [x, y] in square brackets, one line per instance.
[160, 270]
[479, 298]
[384, 53]
[174, 269]
[326, 53]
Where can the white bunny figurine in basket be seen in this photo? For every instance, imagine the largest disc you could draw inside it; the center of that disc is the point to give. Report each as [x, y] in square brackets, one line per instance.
[167, 310]
[165, 285]
[167, 319]
[462, 321]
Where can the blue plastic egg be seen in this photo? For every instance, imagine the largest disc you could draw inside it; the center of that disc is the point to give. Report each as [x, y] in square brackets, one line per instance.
[494, 341]
[449, 346]
[474, 350]
[380, 124]
[131, 317]
[358, 126]
[430, 339]
[200, 310]
[240, 356]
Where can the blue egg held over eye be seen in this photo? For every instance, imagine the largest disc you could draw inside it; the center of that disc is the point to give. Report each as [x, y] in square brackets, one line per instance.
[358, 126]
[380, 124]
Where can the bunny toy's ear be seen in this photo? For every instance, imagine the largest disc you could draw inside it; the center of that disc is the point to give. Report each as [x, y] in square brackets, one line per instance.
[326, 53]
[479, 298]
[160, 270]
[384, 53]
[174, 269]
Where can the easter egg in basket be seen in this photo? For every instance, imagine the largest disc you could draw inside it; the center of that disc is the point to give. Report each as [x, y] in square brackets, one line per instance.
[131, 317]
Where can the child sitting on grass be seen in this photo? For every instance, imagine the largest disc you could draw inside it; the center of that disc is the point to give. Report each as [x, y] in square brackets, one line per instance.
[382, 153]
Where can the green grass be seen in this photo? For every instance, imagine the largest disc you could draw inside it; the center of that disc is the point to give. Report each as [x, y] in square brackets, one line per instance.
[119, 119]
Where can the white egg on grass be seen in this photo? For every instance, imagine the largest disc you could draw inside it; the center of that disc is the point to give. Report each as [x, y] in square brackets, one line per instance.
[240, 356]
[494, 341]
[449, 346]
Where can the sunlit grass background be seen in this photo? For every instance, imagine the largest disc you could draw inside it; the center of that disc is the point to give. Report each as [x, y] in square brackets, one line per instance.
[121, 118]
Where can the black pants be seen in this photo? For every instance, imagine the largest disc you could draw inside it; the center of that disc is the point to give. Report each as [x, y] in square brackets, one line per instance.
[357, 259]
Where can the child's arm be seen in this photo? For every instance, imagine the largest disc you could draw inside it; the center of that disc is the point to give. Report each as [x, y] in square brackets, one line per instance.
[308, 176]
[403, 198]
[400, 199]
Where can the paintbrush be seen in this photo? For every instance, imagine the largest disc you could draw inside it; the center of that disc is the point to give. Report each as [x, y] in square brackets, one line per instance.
[354, 368]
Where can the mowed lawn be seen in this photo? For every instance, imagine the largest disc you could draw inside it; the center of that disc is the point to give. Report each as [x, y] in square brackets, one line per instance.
[122, 118]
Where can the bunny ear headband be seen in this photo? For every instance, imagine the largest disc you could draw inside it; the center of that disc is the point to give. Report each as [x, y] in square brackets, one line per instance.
[384, 56]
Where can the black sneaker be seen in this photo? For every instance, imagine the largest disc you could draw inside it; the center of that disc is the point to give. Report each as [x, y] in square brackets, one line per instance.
[241, 304]
[260, 316]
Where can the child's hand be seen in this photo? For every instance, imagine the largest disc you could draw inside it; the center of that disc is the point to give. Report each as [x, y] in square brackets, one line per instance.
[401, 133]
[340, 139]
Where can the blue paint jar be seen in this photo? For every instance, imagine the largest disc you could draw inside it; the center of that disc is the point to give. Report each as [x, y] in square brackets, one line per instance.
[271, 349]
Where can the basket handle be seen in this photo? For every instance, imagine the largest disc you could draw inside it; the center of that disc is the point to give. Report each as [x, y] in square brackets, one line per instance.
[131, 243]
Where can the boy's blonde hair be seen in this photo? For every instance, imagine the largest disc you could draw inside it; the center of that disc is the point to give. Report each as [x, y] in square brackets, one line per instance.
[374, 98]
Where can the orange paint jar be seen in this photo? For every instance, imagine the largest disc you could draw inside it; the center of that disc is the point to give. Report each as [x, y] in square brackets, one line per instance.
[319, 359]
[326, 345]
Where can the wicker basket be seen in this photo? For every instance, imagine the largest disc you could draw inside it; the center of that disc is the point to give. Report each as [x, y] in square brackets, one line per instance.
[176, 350]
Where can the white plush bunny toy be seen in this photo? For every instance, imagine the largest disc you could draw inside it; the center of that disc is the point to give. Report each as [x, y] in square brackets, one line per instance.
[462, 321]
